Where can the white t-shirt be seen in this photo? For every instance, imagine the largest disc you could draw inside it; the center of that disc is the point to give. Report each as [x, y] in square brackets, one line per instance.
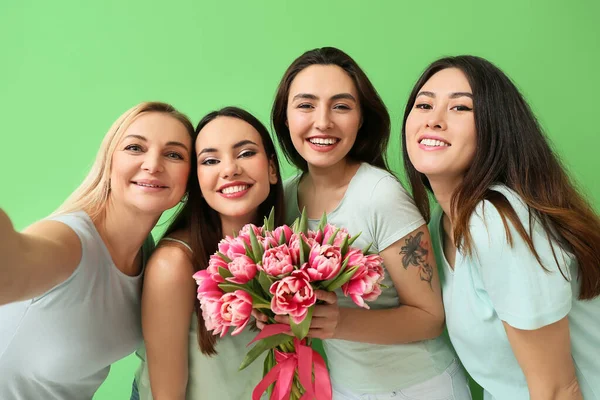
[377, 206]
[61, 344]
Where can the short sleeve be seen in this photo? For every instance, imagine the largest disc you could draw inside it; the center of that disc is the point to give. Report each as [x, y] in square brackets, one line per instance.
[523, 294]
[393, 213]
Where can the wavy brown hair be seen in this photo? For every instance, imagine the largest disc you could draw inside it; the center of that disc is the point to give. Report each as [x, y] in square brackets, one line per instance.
[374, 133]
[204, 224]
[512, 150]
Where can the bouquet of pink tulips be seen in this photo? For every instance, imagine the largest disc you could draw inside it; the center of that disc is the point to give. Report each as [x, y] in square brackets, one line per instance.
[277, 270]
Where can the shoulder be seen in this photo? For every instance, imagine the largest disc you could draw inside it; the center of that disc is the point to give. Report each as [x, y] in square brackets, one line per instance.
[169, 266]
[380, 188]
[488, 223]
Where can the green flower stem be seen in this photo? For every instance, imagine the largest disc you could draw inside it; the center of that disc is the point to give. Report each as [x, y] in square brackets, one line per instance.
[296, 391]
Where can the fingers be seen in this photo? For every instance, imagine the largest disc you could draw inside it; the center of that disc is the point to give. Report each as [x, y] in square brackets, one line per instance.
[326, 311]
[320, 334]
[259, 316]
[327, 297]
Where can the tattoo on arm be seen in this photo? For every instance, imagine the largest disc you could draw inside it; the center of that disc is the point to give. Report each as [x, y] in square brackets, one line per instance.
[415, 254]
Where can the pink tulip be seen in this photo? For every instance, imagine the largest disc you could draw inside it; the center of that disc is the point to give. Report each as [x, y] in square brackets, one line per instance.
[328, 231]
[214, 263]
[243, 270]
[324, 262]
[233, 247]
[245, 232]
[355, 258]
[269, 242]
[294, 246]
[205, 282]
[236, 308]
[277, 261]
[293, 295]
[211, 305]
[287, 233]
[365, 285]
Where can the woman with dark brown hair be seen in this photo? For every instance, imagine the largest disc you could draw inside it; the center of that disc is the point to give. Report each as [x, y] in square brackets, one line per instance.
[237, 183]
[334, 127]
[518, 246]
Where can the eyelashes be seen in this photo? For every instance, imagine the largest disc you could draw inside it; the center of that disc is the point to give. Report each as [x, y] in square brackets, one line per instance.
[136, 148]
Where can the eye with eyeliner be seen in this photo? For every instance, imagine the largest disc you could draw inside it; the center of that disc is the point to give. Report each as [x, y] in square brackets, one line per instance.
[461, 107]
[247, 153]
[209, 161]
[423, 106]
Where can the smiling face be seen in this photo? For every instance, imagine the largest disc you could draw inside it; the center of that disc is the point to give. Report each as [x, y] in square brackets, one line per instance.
[440, 130]
[323, 115]
[150, 166]
[234, 171]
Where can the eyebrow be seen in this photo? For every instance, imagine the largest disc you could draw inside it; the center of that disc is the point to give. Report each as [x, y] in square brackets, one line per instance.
[170, 143]
[235, 146]
[454, 95]
[339, 96]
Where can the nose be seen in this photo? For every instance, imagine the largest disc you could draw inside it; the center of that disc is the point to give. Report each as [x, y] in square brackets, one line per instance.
[437, 119]
[230, 168]
[323, 121]
[153, 162]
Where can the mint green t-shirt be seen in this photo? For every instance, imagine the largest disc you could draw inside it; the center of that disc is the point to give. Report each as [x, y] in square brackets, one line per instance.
[212, 377]
[503, 283]
[377, 205]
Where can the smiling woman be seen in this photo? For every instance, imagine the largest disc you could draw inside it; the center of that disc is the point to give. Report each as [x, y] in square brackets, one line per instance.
[334, 127]
[517, 244]
[70, 285]
[237, 182]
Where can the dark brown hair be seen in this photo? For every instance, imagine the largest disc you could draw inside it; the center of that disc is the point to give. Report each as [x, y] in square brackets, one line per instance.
[204, 224]
[513, 151]
[374, 133]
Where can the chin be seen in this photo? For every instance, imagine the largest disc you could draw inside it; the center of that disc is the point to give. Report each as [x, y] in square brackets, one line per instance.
[154, 207]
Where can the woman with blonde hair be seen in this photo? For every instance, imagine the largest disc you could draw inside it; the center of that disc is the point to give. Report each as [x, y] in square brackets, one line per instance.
[70, 285]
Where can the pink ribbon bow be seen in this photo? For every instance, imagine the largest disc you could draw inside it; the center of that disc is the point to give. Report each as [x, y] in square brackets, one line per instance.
[304, 359]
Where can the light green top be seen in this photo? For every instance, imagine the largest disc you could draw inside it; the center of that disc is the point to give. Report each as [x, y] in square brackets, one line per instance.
[503, 283]
[215, 377]
[377, 205]
[212, 377]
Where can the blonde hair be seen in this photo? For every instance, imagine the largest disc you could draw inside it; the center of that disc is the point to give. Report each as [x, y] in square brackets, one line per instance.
[92, 195]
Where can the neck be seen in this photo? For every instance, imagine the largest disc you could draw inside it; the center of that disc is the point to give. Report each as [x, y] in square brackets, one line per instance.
[229, 225]
[332, 177]
[124, 233]
[443, 189]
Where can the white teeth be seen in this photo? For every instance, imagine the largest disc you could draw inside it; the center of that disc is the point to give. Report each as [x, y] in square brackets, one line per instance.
[148, 185]
[323, 142]
[433, 143]
[234, 189]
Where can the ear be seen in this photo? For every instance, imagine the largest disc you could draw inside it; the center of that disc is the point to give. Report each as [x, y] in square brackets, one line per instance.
[272, 172]
[286, 123]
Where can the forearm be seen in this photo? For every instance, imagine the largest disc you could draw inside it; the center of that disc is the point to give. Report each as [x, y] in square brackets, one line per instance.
[553, 390]
[10, 251]
[404, 324]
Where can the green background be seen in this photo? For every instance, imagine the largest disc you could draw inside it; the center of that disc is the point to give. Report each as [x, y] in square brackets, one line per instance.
[69, 68]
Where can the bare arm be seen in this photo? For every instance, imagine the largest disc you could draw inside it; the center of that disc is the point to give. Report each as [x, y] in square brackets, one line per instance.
[35, 261]
[167, 307]
[544, 355]
[411, 265]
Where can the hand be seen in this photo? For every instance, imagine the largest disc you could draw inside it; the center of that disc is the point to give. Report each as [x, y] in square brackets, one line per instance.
[261, 319]
[326, 317]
